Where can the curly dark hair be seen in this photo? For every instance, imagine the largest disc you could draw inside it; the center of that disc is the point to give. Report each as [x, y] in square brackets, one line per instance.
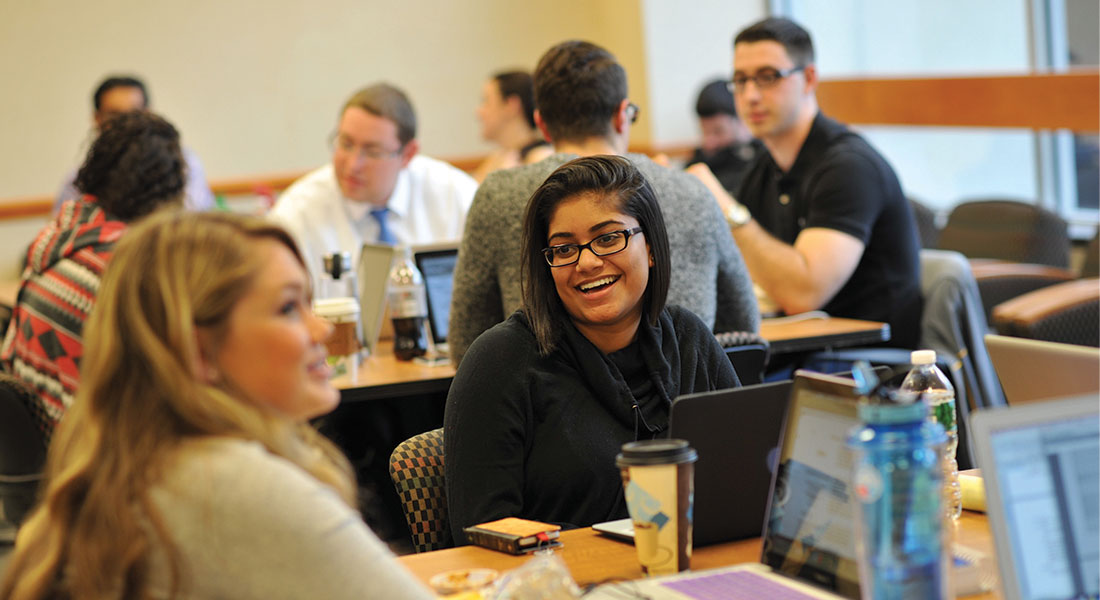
[134, 166]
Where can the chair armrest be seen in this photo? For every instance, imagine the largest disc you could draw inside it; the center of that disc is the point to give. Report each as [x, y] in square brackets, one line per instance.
[1044, 302]
[1066, 312]
[987, 268]
[999, 281]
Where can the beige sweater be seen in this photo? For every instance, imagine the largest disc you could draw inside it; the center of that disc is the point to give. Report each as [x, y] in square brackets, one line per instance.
[253, 525]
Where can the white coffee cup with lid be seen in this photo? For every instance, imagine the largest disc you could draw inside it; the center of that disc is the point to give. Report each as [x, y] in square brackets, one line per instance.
[343, 344]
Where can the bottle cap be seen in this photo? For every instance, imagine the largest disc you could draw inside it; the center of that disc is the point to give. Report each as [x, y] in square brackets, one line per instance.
[923, 357]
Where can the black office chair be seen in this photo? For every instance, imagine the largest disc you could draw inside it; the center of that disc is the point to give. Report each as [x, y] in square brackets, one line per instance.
[1007, 230]
[925, 218]
[22, 456]
[748, 352]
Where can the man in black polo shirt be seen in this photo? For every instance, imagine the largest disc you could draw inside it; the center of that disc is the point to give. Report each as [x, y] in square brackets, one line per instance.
[820, 217]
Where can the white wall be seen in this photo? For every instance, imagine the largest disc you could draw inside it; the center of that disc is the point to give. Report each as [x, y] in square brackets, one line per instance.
[687, 45]
[940, 166]
[254, 86]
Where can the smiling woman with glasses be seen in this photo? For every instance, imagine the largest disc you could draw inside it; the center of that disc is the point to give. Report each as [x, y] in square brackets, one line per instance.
[542, 402]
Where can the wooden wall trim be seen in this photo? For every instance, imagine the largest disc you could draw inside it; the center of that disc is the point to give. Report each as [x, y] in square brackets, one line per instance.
[1036, 101]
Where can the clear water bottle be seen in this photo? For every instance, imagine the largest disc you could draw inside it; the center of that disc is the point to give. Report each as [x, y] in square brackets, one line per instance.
[408, 308]
[932, 385]
[900, 530]
[337, 278]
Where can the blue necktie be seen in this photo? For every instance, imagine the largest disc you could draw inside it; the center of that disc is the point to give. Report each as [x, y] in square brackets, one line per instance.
[385, 235]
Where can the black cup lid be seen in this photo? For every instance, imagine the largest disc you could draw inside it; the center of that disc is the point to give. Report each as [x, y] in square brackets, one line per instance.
[656, 452]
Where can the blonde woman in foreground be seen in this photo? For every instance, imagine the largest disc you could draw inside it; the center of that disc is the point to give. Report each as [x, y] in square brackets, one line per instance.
[186, 467]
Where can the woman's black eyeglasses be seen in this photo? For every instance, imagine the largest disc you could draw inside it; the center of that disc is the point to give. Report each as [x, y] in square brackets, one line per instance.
[604, 244]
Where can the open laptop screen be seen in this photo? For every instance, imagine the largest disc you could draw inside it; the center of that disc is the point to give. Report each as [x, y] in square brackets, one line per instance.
[809, 532]
[1046, 470]
[438, 269]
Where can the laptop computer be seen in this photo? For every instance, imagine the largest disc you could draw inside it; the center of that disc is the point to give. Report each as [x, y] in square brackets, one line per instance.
[740, 427]
[732, 430]
[373, 274]
[1041, 468]
[437, 266]
[1032, 370]
[809, 542]
[736, 433]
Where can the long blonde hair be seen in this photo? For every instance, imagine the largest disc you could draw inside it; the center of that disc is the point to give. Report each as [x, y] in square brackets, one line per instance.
[139, 398]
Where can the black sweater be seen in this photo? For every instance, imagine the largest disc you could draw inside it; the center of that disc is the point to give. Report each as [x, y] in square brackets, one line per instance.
[536, 436]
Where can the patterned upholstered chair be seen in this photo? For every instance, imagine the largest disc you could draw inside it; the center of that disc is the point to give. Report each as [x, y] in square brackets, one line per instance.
[416, 467]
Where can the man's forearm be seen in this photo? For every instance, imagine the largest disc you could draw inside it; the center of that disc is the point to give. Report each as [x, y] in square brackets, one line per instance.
[779, 268]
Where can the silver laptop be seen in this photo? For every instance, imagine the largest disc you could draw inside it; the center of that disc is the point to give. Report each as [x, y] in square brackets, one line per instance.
[1032, 370]
[373, 273]
[809, 541]
[1041, 468]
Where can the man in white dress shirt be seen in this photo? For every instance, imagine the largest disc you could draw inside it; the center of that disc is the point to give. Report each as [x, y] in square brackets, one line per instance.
[377, 189]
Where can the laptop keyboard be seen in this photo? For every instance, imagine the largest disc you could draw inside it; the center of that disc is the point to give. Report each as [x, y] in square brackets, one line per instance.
[734, 585]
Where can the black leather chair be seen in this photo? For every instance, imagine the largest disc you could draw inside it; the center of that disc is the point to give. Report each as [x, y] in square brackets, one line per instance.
[748, 352]
[1091, 266]
[1067, 312]
[22, 455]
[925, 218]
[1008, 230]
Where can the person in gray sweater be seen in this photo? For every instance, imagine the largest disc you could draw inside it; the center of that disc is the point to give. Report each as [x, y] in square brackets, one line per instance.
[187, 467]
[582, 108]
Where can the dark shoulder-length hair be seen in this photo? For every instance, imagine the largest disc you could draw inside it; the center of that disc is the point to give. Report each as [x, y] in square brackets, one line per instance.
[615, 179]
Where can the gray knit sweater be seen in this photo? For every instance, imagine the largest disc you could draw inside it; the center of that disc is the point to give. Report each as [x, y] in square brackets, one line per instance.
[708, 274]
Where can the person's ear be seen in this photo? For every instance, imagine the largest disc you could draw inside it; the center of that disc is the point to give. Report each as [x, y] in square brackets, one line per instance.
[621, 120]
[810, 74]
[515, 105]
[542, 126]
[649, 252]
[409, 151]
[203, 367]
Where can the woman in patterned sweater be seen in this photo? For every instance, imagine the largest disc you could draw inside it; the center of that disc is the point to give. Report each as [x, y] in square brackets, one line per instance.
[133, 168]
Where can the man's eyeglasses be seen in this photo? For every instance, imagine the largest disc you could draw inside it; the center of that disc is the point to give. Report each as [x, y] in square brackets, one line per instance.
[611, 242]
[632, 111]
[764, 78]
[344, 145]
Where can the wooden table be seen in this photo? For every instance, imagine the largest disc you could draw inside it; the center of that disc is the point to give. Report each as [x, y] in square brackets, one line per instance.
[383, 376]
[800, 333]
[593, 558]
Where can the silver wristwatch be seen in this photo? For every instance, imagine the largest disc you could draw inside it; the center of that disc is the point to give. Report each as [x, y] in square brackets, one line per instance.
[737, 215]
